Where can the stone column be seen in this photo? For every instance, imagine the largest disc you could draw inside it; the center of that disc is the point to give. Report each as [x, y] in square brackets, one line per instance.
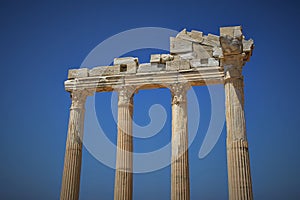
[180, 183]
[235, 55]
[123, 177]
[72, 164]
[239, 177]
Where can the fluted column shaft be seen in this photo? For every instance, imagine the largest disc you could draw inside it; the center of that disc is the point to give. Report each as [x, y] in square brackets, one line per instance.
[238, 163]
[180, 183]
[123, 176]
[72, 164]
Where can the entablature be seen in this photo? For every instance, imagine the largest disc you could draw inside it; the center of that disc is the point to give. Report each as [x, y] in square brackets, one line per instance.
[194, 58]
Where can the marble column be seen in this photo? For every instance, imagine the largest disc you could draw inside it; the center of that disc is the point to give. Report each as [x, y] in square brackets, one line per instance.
[180, 183]
[238, 163]
[72, 165]
[123, 176]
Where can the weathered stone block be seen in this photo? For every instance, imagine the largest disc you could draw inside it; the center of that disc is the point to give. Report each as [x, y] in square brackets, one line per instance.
[210, 42]
[104, 71]
[150, 67]
[78, 73]
[188, 36]
[197, 35]
[129, 68]
[177, 65]
[232, 31]
[178, 45]
[247, 45]
[97, 71]
[226, 31]
[126, 60]
[161, 58]
[213, 37]
[200, 51]
[155, 58]
[166, 57]
[144, 67]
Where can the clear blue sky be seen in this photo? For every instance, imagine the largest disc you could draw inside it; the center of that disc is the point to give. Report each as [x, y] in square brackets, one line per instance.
[41, 40]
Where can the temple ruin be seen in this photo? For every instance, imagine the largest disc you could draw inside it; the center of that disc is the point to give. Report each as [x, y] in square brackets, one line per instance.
[194, 60]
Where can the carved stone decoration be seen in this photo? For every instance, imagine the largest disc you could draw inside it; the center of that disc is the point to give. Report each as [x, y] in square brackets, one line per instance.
[125, 94]
[79, 97]
[178, 91]
[231, 45]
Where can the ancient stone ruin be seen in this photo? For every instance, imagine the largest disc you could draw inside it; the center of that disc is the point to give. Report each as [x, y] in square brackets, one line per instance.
[194, 60]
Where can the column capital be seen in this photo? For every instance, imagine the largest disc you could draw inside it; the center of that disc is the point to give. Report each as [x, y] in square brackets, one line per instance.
[125, 93]
[233, 65]
[236, 51]
[78, 97]
[178, 91]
